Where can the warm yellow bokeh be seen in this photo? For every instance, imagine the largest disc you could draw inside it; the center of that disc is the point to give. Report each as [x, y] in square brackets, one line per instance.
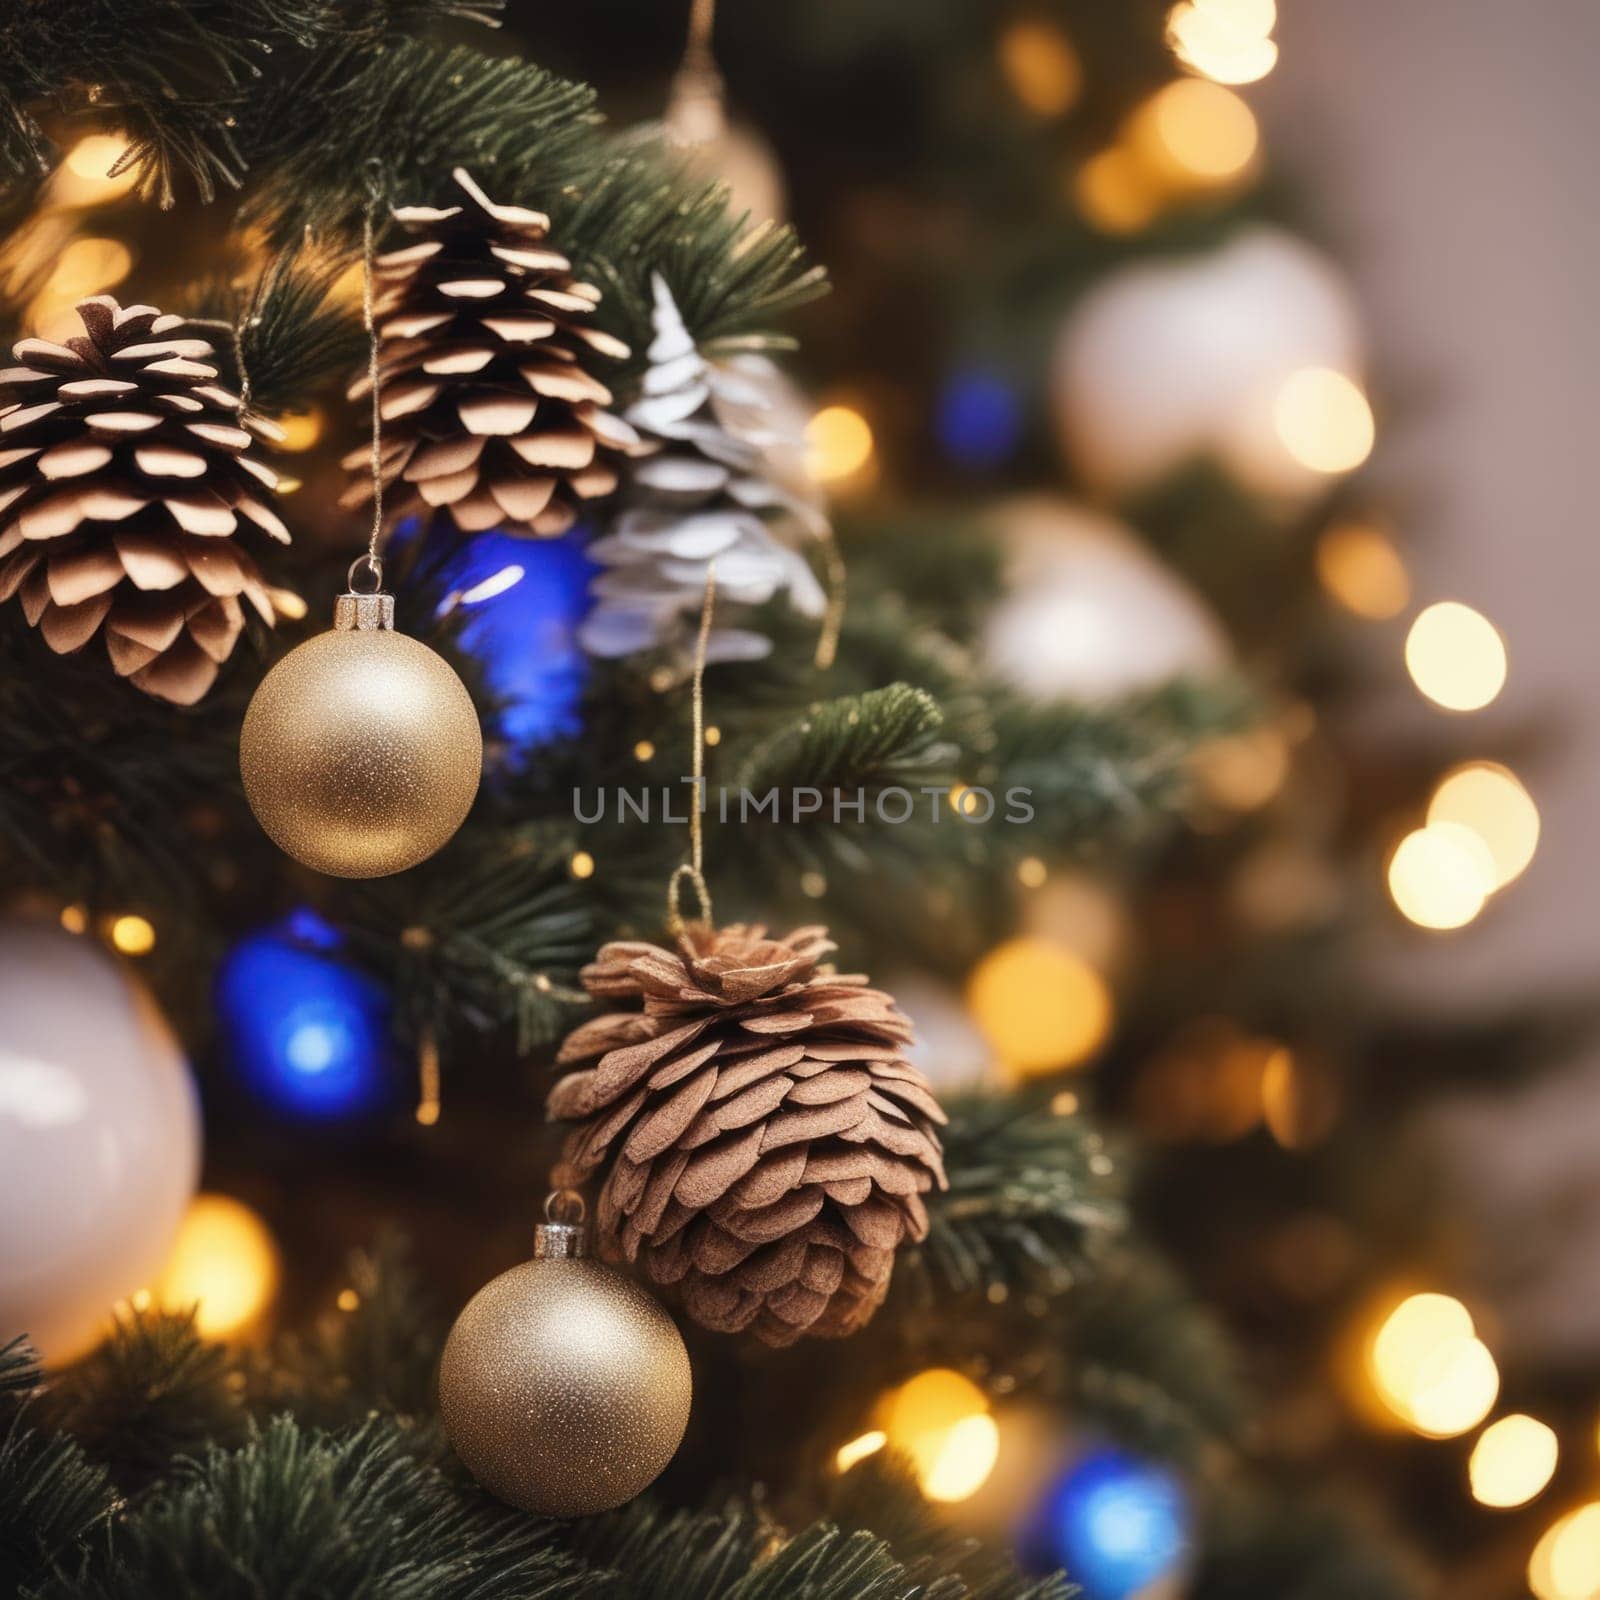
[1440, 876]
[838, 442]
[1566, 1562]
[1195, 135]
[1116, 192]
[225, 1263]
[1226, 40]
[1323, 420]
[1040, 66]
[87, 266]
[1243, 771]
[301, 429]
[1363, 571]
[1430, 1369]
[1487, 799]
[941, 1421]
[1040, 1005]
[84, 177]
[1512, 1462]
[1456, 656]
[581, 865]
[858, 1449]
[133, 935]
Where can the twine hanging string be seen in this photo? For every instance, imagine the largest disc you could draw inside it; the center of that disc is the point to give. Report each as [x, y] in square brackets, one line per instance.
[692, 870]
[371, 559]
[702, 22]
[833, 618]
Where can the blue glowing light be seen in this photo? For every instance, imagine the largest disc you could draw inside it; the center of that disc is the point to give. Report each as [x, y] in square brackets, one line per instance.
[519, 603]
[979, 418]
[308, 1035]
[1117, 1524]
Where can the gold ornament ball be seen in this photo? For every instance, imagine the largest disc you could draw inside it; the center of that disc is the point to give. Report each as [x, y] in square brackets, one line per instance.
[361, 751]
[564, 1387]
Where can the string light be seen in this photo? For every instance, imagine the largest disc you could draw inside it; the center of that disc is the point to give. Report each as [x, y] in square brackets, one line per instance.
[1430, 1369]
[1566, 1563]
[1456, 656]
[1225, 40]
[1362, 570]
[1487, 799]
[581, 865]
[133, 935]
[1032, 872]
[1040, 66]
[348, 1300]
[1512, 1462]
[74, 918]
[1196, 135]
[225, 1264]
[839, 443]
[644, 751]
[1041, 1006]
[1440, 876]
[940, 1421]
[1323, 420]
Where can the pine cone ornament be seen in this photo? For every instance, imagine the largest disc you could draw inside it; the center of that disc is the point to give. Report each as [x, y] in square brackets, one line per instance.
[124, 474]
[725, 482]
[489, 409]
[767, 1144]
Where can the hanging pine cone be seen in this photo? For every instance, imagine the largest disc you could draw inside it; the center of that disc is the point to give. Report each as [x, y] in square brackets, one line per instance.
[124, 473]
[726, 482]
[489, 409]
[766, 1143]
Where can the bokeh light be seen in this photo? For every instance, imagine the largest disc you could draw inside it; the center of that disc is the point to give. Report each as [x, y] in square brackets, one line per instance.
[1323, 420]
[1040, 1005]
[84, 177]
[978, 419]
[225, 1263]
[301, 429]
[1440, 876]
[1456, 656]
[1196, 135]
[1512, 1462]
[859, 1448]
[1040, 66]
[87, 266]
[1487, 799]
[133, 935]
[1242, 771]
[940, 1420]
[1566, 1563]
[1226, 40]
[839, 443]
[1120, 1526]
[1430, 1369]
[1359, 566]
[1115, 191]
[308, 1034]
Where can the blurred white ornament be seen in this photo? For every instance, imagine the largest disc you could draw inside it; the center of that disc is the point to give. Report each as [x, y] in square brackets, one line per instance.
[99, 1138]
[950, 1050]
[1089, 613]
[696, 121]
[1209, 356]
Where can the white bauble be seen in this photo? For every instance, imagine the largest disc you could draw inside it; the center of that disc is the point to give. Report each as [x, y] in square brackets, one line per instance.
[1089, 613]
[99, 1138]
[1173, 360]
[950, 1050]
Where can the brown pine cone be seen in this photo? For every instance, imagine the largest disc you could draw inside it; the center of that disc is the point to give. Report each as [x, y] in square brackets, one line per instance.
[772, 1143]
[124, 473]
[488, 407]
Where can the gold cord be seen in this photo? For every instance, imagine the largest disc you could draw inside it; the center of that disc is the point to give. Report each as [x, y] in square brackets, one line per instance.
[833, 617]
[370, 324]
[702, 21]
[693, 869]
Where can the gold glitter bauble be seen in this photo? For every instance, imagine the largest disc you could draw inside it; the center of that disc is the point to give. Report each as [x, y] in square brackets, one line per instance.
[564, 1387]
[361, 750]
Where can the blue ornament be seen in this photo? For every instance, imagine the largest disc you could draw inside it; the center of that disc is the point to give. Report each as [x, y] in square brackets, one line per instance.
[1117, 1524]
[979, 418]
[518, 603]
[308, 1035]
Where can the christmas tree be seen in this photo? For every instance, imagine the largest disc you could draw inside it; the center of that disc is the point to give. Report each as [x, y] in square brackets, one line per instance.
[820, 798]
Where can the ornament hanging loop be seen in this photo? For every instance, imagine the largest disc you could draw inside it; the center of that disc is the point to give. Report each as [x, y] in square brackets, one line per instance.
[369, 568]
[560, 1237]
[693, 868]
